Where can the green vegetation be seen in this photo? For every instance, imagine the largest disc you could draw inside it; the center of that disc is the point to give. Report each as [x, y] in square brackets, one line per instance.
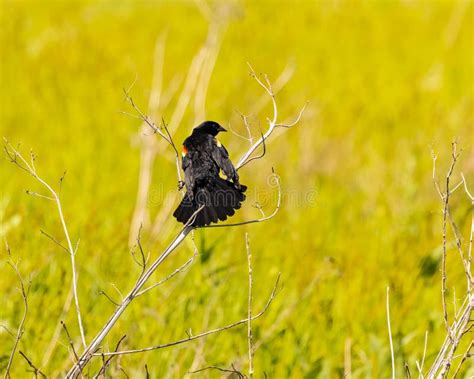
[384, 80]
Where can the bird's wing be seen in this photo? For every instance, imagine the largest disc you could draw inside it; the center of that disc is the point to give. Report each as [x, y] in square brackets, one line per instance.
[221, 157]
[188, 171]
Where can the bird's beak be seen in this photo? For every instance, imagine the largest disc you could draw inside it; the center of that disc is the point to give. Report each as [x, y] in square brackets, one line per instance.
[221, 129]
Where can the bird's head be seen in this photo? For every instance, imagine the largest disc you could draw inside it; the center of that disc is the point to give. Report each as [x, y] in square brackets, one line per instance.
[209, 127]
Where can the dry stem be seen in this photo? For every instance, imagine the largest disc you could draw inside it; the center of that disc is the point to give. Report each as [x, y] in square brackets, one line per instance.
[24, 291]
[249, 317]
[392, 355]
[201, 335]
[462, 322]
[16, 158]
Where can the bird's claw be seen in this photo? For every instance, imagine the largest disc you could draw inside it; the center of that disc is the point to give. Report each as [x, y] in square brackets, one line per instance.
[180, 185]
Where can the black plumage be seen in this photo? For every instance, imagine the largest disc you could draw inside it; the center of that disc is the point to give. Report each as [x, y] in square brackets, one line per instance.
[203, 160]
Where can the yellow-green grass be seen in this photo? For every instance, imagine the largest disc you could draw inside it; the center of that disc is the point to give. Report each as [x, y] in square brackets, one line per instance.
[384, 81]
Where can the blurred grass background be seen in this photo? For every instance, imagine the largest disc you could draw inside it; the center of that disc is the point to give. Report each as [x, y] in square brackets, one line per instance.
[384, 80]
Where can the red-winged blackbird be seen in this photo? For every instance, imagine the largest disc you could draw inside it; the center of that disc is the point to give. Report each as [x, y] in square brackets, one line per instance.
[203, 159]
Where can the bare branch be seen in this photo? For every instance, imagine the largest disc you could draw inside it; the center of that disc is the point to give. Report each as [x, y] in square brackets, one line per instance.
[178, 167]
[28, 192]
[71, 343]
[14, 155]
[466, 189]
[5, 328]
[272, 123]
[456, 187]
[24, 291]
[445, 198]
[36, 370]
[471, 234]
[296, 120]
[259, 156]
[249, 310]
[434, 157]
[141, 116]
[180, 269]
[103, 293]
[392, 355]
[54, 240]
[162, 130]
[465, 356]
[420, 367]
[279, 83]
[231, 371]
[144, 260]
[201, 335]
[462, 321]
[57, 331]
[107, 362]
[249, 137]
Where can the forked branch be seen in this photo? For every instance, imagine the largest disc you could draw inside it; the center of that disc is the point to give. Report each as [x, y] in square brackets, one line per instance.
[162, 130]
[203, 334]
[17, 158]
[273, 123]
[462, 321]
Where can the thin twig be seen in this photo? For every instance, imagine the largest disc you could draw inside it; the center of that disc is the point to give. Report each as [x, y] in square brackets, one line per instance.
[54, 240]
[36, 370]
[259, 156]
[201, 335]
[57, 331]
[16, 158]
[231, 371]
[420, 367]
[392, 355]
[249, 308]
[471, 234]
[71, 343]
[445, 197]
[272, 123]
[162, 130]
[464, 357]
[21, 328]
[107, 296]
[31, 193]
[176, 154]
[144, 260]
[106, 363]
[180, 269]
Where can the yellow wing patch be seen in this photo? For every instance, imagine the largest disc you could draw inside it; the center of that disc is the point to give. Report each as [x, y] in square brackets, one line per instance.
[184, 151]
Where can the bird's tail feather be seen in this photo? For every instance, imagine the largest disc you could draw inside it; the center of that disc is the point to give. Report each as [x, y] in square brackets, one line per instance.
[220, 198]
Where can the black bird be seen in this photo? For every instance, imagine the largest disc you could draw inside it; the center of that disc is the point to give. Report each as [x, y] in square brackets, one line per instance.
[203, 159]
